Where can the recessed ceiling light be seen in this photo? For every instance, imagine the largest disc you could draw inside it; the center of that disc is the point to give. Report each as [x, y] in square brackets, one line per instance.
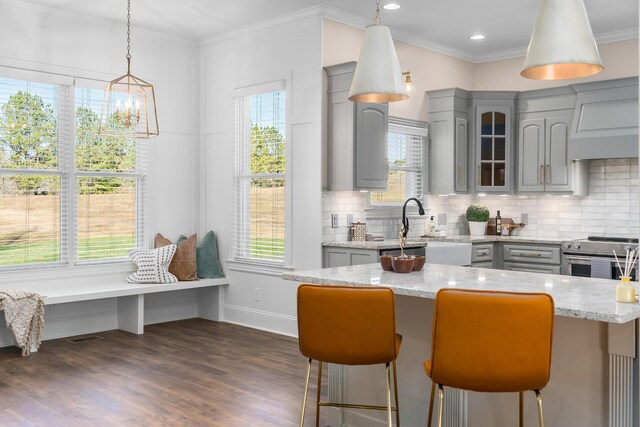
[391, 6]
[477, 37]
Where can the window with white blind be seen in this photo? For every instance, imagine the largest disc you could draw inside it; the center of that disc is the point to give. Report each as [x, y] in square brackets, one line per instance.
[406, 147]
[109, 185]
[32, 180]
[47, 169]
[261, 181]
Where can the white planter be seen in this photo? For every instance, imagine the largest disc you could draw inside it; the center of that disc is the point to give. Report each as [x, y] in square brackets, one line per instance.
[477, 228]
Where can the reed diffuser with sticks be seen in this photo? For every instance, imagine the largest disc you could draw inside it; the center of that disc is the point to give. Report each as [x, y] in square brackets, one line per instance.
[625, 291]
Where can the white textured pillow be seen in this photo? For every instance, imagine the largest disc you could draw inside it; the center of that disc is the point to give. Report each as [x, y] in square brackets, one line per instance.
[153, 265]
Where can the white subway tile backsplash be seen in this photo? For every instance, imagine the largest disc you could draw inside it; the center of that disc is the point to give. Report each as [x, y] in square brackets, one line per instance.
[612, 208]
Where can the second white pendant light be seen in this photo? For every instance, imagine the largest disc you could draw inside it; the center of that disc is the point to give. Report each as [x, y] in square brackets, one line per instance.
[378, 76]
[562, 45]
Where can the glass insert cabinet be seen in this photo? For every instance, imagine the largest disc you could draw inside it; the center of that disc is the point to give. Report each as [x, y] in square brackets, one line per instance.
[493, 148]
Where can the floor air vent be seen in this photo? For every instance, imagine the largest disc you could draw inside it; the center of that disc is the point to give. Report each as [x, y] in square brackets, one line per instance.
[84, 339]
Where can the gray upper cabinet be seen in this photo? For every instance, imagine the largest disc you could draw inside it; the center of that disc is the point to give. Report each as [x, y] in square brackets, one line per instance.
[356, 136]
[493, 141]
[544, 125]
[543, 163]
[448, 142]
[371, 163]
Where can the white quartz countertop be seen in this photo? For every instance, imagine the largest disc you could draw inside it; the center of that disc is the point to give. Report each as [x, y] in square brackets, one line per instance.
[423, 241]
[578, 297]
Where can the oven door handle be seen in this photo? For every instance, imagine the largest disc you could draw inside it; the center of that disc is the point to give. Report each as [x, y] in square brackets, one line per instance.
[574, 259]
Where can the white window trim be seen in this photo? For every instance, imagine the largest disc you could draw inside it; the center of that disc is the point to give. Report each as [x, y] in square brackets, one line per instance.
[69, 267]
[269, 83]
[377, 212]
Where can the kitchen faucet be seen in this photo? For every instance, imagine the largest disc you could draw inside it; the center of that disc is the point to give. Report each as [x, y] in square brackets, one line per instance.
[405, 221]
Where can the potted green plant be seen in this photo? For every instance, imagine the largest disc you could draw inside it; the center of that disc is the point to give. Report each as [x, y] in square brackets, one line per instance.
[478, 216]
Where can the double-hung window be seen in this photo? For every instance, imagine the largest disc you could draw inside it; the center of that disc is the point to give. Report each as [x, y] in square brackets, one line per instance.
[67, 194]
[406, 151]
[33, 183]
[260, 175]
[110, 183]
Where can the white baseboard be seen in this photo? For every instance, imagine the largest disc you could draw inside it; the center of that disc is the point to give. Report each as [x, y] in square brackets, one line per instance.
[259, 319]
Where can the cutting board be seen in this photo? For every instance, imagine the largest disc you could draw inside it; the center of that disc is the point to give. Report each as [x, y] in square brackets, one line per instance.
[491, 225]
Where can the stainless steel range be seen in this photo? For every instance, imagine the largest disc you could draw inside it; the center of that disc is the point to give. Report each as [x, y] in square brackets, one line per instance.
[577, 254]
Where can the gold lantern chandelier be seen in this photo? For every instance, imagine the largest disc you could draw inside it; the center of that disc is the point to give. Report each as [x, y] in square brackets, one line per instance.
[129, 107]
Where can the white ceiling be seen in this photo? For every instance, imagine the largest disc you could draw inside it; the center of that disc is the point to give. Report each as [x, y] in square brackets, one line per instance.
[444, 25]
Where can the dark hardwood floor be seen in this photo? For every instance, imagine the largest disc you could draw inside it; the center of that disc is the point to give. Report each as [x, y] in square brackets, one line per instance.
[191, 372]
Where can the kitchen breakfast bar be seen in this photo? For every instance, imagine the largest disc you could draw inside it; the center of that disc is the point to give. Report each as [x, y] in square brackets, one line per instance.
[594, 373]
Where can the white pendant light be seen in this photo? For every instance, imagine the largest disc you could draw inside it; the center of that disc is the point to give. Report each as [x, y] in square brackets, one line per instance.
[378, 76]
[562, 45]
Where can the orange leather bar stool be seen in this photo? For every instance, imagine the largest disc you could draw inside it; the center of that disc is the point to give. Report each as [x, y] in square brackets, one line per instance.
[348, 326]
[494, 342]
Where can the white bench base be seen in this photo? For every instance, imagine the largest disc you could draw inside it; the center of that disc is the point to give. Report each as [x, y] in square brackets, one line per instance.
[84, 308]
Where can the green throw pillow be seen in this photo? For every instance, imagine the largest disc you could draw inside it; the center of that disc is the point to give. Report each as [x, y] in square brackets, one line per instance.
[207, 257]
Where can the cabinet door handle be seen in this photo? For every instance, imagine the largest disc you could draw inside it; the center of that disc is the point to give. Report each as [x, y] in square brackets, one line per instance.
[548, 174]
[541, 174]
[459, 174]
[478, 176]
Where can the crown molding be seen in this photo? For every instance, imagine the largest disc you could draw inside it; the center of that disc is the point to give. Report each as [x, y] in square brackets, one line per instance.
[278, 21]
[95, 20]
[319, 11]
[343, 17]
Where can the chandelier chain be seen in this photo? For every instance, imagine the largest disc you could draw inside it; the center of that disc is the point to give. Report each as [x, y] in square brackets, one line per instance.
[128, 29]
[376, 19]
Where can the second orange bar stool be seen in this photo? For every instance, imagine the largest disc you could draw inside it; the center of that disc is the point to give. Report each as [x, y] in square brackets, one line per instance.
[490, 341]
[348, 326]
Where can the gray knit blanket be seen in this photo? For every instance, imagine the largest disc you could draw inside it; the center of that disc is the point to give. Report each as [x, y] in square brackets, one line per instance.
[24, 314]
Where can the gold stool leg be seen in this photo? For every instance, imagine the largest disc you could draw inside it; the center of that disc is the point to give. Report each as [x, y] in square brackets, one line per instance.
[318, 394]
[440, 404]
[389, 394]
[433, 394]
[540, 414]
[306, 389]
[395, 386]
[521, 407]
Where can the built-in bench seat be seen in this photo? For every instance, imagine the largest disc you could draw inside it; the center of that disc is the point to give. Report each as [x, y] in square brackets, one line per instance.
[130, 305]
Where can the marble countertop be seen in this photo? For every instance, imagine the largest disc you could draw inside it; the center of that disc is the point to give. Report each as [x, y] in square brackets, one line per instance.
[577, 297]
[423, 241]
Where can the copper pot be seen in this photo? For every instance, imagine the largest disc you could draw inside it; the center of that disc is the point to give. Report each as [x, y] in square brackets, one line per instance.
[418, 263]
[402, 264]
[385, 262]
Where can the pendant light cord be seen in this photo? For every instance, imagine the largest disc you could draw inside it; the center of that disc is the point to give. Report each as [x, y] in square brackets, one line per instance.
[128, 36]
[376, 19]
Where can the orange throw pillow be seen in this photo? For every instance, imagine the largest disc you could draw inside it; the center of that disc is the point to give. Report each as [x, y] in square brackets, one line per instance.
[183, 265]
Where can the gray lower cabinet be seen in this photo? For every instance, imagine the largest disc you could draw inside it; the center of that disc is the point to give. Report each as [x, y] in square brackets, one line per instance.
[356, 137]
[531, 268]
[482, 255]
[533, 258]
[341, 257]
[448, 141]
[543, 162]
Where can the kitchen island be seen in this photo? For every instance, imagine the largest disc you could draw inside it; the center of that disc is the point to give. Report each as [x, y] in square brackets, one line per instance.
[594, 365]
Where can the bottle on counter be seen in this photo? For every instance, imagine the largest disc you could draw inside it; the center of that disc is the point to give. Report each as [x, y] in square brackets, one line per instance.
[432, 225]
[498, 224]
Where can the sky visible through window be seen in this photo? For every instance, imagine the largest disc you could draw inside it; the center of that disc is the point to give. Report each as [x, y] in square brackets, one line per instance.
[268, 109]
